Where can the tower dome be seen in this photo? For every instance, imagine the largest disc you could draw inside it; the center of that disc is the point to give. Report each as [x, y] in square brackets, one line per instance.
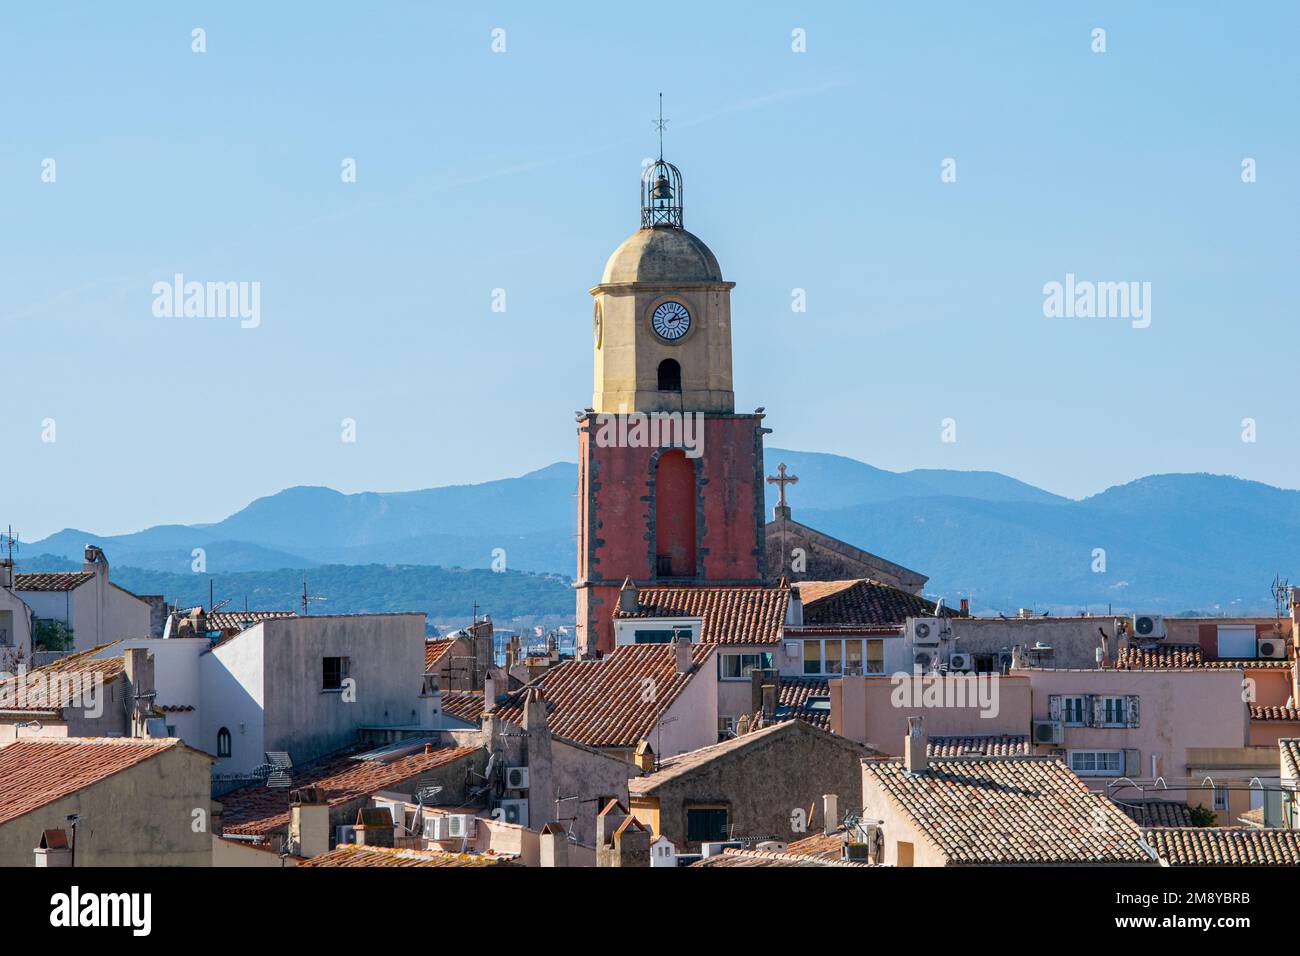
[662, 254]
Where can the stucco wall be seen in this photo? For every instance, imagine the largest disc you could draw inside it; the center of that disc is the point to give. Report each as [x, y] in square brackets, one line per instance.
[874, 710]
[767, 787]
[141, 816]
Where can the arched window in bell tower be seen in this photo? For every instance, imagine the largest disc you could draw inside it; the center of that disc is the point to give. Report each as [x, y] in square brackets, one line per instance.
[670, 376]
[675, 501]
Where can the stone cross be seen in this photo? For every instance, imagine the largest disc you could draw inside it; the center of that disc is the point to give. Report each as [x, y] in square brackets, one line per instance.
[781, 479]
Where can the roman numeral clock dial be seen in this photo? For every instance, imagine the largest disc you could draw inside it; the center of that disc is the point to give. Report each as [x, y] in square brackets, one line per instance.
[671, 320]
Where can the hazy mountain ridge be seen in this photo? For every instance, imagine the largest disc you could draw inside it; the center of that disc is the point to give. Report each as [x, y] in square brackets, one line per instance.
[1172, 542]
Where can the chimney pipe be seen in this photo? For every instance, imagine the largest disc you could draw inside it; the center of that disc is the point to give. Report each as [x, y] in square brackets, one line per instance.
[915, 758]
[965, 607]
[682, 647]
[831, 812]
[489, 695]
[769, 702]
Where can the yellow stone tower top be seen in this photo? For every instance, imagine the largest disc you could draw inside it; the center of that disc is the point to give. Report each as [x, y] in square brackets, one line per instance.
[662, 314]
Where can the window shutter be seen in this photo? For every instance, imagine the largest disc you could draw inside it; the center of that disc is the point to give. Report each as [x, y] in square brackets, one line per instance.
[1131, 707]
[1054, 706]
[1132, 763]
[1095, 707]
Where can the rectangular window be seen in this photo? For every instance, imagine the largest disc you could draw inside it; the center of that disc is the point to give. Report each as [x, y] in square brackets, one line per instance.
[1115, 714]
[853, 657]
[812, 657]
[833, 652]
[1097, 763]
[875, 657]
[706, 824]
[335, 673]
[1221, 798]
[739, 666]
[653, 637]
[1074, 711]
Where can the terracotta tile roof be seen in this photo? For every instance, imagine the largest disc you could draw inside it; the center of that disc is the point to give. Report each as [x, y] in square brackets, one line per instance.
[38, 772]
[1266, 712]
[983, 745]
[52, 580]
[1290, 750]
[1226, 846]
[1179, 656]
[259, 810]
[603, 703]
[435, 649]
[236, 621]
[465, 704]
[731, 615]
[56, 684]
[352, 855]
[859, 601]
[806, 699]
[1157, 813]
[750, 858]
[820, 846]
[1009, 810]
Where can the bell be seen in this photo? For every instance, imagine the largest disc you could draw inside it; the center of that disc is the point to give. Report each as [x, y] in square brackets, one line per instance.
[662, 190]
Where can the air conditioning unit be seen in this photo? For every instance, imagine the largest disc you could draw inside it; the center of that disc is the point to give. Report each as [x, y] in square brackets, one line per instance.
[961, 662]
[516, 778]
[1148, 626]
[925, 659]
[344, 835]
[923, 630]
[452, 826]
[1049, 732]
[515, 811]
[1272, 648]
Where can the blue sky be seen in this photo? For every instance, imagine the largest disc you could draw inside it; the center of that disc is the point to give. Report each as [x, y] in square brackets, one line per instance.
[519, 170]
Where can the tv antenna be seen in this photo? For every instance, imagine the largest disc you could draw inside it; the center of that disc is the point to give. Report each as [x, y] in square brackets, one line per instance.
[308, 598]
[1281, 595]
[9, 543]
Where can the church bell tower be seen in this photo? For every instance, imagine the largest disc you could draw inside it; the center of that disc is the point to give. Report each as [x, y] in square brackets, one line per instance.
[670, 477]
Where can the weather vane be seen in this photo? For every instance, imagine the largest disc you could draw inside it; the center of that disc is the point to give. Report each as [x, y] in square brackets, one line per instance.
[661, 124]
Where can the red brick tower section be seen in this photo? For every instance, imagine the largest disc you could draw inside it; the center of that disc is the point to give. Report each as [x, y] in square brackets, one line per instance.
[640, 506]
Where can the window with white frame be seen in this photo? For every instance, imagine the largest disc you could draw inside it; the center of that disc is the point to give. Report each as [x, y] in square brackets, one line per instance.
[1097, 763]
[1114, 712]
[1221, 798]
[836, 656]
[1074, 711]
[738, 666]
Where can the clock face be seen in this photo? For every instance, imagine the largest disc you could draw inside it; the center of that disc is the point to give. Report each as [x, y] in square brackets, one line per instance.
[671, 320]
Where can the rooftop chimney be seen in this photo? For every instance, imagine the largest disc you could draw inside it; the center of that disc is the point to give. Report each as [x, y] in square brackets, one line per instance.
[769, 702]
[553, 846]
[489, 695]
[682, 646]
[794, 610]
[645, 757]
[54, 849]
[914, 746]
[1026, 612]
[431, 699]
[965, 607]
[6, 573]
[309, 822]
[831, 811]
[628, 600]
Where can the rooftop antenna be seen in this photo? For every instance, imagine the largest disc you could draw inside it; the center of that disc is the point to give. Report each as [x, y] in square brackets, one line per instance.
[8, 542]
[1281, 595]
[474, 612]
[306, 598]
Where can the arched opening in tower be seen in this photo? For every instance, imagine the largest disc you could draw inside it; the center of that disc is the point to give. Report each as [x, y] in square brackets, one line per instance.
[670, 376]
[675, 515]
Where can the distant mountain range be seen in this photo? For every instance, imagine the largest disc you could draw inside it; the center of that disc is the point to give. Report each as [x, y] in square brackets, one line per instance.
[1185, 542]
